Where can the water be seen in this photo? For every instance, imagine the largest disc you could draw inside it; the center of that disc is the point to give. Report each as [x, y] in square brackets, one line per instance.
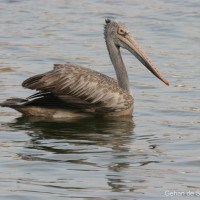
[146, 157]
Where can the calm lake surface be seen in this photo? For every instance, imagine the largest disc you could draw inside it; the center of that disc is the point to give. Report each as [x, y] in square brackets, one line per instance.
[154, 155]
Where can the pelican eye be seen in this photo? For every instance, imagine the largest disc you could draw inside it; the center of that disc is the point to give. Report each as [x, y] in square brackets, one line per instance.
[122, 31]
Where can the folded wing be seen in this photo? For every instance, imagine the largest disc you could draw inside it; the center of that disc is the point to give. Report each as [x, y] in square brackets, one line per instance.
[78, 85]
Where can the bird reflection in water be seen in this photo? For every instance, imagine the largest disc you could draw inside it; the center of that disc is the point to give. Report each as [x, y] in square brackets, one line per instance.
[96, 142]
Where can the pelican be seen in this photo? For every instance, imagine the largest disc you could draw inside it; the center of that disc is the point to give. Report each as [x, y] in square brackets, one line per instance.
[70, 90]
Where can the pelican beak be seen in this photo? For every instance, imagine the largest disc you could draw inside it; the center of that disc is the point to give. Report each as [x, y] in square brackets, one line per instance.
[131, 45]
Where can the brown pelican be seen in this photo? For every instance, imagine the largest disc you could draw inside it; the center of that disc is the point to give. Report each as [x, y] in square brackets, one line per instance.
[70, 90]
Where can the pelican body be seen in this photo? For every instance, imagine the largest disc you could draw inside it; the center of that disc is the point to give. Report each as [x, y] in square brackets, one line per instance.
[70, 90]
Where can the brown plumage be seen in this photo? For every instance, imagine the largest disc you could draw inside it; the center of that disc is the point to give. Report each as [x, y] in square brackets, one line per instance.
[82, 88]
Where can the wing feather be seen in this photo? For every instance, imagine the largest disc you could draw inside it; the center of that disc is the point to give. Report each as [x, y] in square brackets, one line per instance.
[96, 89]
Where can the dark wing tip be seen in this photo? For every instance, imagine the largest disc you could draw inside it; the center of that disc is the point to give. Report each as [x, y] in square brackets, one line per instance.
[32, 81]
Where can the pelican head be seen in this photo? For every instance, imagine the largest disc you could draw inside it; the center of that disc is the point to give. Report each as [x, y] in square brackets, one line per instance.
[116, 36]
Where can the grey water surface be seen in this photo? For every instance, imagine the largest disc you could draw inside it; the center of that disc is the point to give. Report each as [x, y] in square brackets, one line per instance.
[154, 155]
